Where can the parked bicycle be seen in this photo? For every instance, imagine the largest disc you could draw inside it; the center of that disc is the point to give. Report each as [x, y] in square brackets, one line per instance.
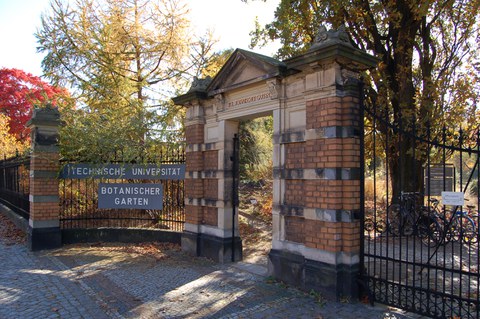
[431, 225]
[403, 217]
[444, 226]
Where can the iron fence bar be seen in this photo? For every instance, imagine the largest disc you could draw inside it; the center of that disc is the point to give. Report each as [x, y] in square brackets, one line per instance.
[362, 173]
[442, 240]
[460, 142]
[235, 168]
[387, 194]
[478, 214]
[374, 186]
[428, 195]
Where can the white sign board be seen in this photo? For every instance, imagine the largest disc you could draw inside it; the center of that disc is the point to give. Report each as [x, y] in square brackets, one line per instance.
[453, 198]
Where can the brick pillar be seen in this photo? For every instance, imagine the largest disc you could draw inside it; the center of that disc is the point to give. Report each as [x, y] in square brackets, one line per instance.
[317, 245]
[44, 226]
[194, 134]
[208, 211]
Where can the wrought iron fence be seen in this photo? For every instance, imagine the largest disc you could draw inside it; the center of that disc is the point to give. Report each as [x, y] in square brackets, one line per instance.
[79, 201]
[421, 244]
[15, 184]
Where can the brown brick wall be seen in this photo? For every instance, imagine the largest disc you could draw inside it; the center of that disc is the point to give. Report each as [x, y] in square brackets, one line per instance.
[201, 215]
[295, 155]
[210, 160]
[294, 229]
[194, 161]
[44, 162]
[294, 192]
[193, 214]
[193, 188]
[44, 211]
[328, 236]
[332, 152]
[194, 133]
[331, 194]
[323, 235]
[333, 111]
[351, 237]
[43, 186]
[210, 188]
[210, 216]
[331, 236]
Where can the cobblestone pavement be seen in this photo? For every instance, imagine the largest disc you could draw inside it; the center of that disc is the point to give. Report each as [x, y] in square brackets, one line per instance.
[125, 281]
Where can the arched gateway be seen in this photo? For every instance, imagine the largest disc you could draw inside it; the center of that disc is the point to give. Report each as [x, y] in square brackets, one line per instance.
[314, 99]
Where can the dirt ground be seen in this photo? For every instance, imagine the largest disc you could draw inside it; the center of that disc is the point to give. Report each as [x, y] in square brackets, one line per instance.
[255, 222]
[257, 241]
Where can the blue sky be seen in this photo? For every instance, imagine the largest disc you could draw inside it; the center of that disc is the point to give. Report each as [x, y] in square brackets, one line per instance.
[231, 20]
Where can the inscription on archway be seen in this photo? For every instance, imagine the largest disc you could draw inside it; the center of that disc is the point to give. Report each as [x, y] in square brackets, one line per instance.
[249, 99]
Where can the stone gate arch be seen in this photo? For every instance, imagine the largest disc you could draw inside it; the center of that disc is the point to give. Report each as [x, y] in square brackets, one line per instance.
[314, 100]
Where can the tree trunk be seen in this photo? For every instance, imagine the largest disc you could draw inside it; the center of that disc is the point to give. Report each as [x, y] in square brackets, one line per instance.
[405, 166]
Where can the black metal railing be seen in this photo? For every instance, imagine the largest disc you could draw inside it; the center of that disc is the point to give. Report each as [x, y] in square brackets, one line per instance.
[421, 249]
[15, 184]
[79, 201]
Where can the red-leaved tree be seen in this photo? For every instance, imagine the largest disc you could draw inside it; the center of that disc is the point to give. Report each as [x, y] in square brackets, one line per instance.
[19, 93]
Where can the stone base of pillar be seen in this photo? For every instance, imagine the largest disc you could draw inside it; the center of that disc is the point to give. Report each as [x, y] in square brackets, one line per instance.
[216, 248]
[333, 282]
[44, 238]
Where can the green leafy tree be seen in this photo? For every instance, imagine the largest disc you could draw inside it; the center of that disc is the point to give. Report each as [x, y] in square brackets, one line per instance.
[123, 59]
[428, 68]
[256, 149]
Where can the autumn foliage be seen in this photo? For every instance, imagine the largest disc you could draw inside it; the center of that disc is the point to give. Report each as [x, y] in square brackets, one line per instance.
[19, 93]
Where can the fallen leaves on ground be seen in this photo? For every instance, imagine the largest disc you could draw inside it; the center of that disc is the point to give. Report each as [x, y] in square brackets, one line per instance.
[9, 233]
[156, 250]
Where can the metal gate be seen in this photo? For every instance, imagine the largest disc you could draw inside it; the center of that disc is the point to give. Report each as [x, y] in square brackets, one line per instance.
[420, 230]
[79, 201]
[15, 184]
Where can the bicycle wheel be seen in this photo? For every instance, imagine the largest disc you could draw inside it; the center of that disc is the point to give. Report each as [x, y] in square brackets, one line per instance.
[448, 229]
[468, 230]
[394, 220]
[429, 231]
[408, 227]
[381, 226]
[368, 224]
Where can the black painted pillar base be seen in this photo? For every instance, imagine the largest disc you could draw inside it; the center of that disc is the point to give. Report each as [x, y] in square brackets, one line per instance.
[216, 248]
[44, 238]
[333, 282]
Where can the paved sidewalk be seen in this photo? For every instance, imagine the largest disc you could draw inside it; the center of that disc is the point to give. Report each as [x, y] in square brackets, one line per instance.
[118, 281]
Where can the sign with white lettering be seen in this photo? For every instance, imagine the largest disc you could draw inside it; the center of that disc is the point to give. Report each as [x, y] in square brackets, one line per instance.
[125, 195]
[126, 171]
[453, 198]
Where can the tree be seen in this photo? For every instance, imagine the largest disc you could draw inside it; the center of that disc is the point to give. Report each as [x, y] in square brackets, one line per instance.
[425, 49]
[124, 60]
[19, 93]
[256, 149]
[9, 145]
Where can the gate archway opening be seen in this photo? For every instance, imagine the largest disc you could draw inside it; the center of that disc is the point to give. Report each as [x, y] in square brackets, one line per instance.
[255, 188]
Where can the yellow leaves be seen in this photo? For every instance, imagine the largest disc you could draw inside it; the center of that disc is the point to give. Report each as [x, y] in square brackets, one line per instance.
[9, 146]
